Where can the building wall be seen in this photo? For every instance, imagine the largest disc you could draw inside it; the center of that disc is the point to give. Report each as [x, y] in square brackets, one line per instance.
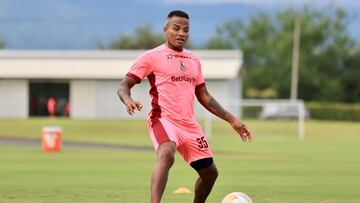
[14, 99]
[107, 105]
[93, 88]
[98, 99]
[91, 99]
[83, 99]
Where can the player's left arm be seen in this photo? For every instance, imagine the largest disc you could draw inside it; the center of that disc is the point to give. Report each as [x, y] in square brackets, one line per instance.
[210, 103]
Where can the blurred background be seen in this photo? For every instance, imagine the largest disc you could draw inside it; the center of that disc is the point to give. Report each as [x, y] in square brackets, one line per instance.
[79, 24]
[316, 61]
[289, 69]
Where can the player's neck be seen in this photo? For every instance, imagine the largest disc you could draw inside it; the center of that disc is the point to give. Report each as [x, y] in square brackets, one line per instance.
[170, 46]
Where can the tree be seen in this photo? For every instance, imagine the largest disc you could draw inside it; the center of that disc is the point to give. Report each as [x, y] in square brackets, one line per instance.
[350, 78]
[142, 38]
[2, 44]
[266, 42]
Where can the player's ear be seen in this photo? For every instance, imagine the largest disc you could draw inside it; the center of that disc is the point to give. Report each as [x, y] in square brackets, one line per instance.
[166, 26]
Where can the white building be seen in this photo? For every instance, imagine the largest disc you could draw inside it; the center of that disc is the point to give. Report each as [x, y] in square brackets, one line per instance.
[89, 80]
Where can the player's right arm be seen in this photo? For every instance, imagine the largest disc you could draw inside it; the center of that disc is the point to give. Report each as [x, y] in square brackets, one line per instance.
[124, 94]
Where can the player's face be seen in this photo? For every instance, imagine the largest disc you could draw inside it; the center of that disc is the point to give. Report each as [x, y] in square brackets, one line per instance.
[177, 32]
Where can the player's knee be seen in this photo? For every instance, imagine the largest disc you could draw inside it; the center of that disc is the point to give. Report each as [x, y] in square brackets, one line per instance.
[210, 175]
[213, 174]
[166, 154]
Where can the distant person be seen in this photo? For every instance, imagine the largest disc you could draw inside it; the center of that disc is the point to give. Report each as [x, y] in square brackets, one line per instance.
[67, 109]
[175, 77]
[51, 106]
[43, 111]
[60, 107]
[34, 106]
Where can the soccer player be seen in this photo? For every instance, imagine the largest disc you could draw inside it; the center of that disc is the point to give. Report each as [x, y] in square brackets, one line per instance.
[175, 77]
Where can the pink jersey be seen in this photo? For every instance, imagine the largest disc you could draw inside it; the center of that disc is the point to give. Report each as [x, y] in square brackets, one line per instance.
[173, 77]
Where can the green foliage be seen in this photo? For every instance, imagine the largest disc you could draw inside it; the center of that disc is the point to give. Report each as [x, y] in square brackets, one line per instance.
[326, 52]
[2, 44]
[350, 78]
[142, 38]
[334, 111]
[265, 93]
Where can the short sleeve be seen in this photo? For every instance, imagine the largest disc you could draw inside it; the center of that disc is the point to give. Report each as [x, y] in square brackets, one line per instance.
[141, 68]
[200, 82]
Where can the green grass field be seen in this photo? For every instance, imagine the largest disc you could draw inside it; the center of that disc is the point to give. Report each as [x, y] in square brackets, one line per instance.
[276, 167]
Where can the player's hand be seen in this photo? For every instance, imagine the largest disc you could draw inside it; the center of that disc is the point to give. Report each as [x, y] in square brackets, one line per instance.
[132, 106]
[242, 130]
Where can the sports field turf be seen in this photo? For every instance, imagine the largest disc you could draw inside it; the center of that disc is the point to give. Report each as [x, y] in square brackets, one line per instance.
[276, 167]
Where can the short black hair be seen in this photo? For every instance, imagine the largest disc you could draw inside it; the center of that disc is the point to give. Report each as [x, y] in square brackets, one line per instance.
[178, 13]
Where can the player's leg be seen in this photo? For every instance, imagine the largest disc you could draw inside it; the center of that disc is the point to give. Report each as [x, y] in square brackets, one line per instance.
[165, 159]
[196, 151]
[164, 138]
[207, 176]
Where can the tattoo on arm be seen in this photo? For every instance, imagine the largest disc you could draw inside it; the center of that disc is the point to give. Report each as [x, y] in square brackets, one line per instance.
[219, 110]
[211, 104]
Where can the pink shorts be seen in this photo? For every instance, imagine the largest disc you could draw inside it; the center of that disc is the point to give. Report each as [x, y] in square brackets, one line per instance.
[190, 140]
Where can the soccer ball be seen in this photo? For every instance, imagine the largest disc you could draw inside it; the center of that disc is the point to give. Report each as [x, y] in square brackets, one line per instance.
[236, 197]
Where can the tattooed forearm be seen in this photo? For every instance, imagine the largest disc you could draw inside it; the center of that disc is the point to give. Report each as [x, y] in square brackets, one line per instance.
[217, 109]
[212, 105]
